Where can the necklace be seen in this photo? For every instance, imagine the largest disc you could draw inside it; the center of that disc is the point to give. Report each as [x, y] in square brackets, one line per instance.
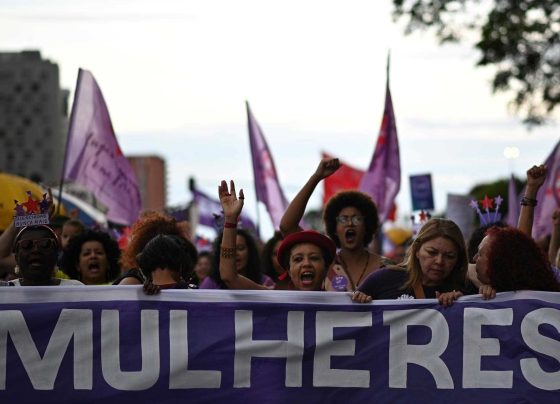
[344, 266]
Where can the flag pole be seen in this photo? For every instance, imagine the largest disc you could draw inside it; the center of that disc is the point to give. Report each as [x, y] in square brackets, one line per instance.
[70, 127]
[255, 185]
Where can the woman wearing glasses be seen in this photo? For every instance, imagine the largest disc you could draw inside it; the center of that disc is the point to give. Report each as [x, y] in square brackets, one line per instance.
[36, 251]
[351, 221]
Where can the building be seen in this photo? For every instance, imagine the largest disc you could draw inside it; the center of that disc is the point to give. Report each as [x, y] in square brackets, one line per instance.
[151, 176]
[33, 117]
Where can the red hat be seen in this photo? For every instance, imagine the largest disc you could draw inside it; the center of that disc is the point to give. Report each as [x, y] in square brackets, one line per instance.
[306, 236]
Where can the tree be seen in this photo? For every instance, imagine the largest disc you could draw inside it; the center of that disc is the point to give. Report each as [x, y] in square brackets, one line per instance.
[519, 38]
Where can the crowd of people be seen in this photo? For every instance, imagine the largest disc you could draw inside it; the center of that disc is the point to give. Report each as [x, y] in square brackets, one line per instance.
[436, 263]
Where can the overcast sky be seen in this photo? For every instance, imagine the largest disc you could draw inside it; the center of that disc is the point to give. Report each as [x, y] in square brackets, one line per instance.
[176, 74]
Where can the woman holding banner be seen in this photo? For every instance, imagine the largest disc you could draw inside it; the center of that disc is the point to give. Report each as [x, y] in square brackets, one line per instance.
[435, 263]
[351, 221]
[306, 255]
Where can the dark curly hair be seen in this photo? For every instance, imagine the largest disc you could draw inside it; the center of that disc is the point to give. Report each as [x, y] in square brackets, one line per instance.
[254, 271]
[355, 199]
[149, 225]
[164, 251]
[266, 256]
[515, 262]
[71, 255]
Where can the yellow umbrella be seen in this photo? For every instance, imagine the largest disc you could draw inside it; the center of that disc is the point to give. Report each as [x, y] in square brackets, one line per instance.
[13, 187]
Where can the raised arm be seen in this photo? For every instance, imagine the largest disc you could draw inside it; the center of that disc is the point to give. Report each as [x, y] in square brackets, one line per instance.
[554, 238]
[290, 221]
[232, 206]
[535, 179]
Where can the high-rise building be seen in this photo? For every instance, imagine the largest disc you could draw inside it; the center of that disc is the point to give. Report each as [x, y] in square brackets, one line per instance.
[151, 176]
[33, 117]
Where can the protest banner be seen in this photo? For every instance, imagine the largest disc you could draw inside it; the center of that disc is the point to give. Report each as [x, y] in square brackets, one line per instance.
[84, 344]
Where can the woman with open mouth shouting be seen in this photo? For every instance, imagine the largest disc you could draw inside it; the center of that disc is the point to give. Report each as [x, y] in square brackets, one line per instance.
[351, 221]
[92, 258]
[306, 255]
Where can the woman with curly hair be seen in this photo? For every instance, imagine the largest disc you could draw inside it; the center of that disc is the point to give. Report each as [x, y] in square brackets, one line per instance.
[149, 225]
[91, 257]
[509, 260]
[351, 221]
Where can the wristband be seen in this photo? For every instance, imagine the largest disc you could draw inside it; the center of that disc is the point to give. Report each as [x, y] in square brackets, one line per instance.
[228, 225]
[528, 201]
[227, 252]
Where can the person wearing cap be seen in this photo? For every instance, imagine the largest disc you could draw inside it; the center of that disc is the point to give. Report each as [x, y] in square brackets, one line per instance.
[36, 251]
[306, 255]
[351, 221]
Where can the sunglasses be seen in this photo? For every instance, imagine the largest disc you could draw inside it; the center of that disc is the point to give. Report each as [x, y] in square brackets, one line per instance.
[41, 243]
[355, 220]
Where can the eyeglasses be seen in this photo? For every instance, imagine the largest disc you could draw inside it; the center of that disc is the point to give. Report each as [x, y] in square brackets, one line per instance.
[355, 220]
[42, 243]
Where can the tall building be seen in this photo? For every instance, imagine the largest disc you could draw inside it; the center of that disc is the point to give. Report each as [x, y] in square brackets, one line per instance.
[151, 176]
[33, 117]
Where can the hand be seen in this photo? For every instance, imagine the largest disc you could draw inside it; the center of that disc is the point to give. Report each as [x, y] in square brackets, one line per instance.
[360, 297]
[536, 176]
[487, 292]
[231, 205]
[150, 288]
[446, 299]
[556, 217]
[327, 167]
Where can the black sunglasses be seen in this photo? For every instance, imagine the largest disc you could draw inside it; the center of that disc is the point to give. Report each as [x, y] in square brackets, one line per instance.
[42, 243]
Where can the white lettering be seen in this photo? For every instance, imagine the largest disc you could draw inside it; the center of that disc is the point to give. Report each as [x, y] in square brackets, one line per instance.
[530, 331]
[110, 352]
[326, 347]
[246, 348]
[42, 372]
[180, 376]
[475, 347]
[427, 356]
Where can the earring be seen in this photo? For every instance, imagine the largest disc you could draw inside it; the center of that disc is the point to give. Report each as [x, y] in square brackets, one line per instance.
[16, 269]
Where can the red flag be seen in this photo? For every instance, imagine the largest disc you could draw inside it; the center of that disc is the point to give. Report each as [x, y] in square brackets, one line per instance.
[345, 178]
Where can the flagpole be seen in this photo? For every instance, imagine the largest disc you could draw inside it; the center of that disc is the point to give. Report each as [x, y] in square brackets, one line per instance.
[255, 185]
[70, 127]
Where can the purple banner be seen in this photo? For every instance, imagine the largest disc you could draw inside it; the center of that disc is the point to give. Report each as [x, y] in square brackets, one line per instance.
[79, 344]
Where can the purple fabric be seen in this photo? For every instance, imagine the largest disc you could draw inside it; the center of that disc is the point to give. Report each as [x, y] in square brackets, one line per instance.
[210, 213]
[513, 204]
[548, 196]
[208, 283]
[382, 180]
[93, 156]
[267, 185]
[116, 345]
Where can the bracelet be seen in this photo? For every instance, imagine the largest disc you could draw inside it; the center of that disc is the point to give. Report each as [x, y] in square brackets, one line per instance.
[528, 201]
[228, 225]
[227, 252]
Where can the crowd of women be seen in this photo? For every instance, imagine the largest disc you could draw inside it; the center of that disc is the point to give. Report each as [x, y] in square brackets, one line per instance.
[160, 255]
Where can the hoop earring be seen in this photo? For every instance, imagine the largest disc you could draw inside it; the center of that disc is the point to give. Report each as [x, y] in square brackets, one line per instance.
[16, 269]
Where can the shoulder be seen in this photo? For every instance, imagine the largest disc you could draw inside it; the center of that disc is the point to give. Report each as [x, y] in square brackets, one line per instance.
[208, 283]
[70, 282]
[267, 281]
[133, 274]
[385, 283]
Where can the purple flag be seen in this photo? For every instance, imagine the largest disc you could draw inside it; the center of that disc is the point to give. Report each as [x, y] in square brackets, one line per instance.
[382, 180]
[210, 213]
[513, 204]
[93, 157]
[548, 196]
[266, 180]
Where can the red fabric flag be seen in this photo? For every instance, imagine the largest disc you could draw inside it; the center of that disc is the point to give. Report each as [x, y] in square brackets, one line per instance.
[345, 178]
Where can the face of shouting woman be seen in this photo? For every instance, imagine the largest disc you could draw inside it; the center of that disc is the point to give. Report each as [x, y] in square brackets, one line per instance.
[307, 267]
[93, 264]
[350, 228]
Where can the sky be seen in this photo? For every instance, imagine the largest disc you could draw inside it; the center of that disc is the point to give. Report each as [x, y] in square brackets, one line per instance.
[176, 75]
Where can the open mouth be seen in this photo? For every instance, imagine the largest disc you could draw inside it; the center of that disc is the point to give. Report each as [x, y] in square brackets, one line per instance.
[94, 267]
[350, 235]
[307, 278]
